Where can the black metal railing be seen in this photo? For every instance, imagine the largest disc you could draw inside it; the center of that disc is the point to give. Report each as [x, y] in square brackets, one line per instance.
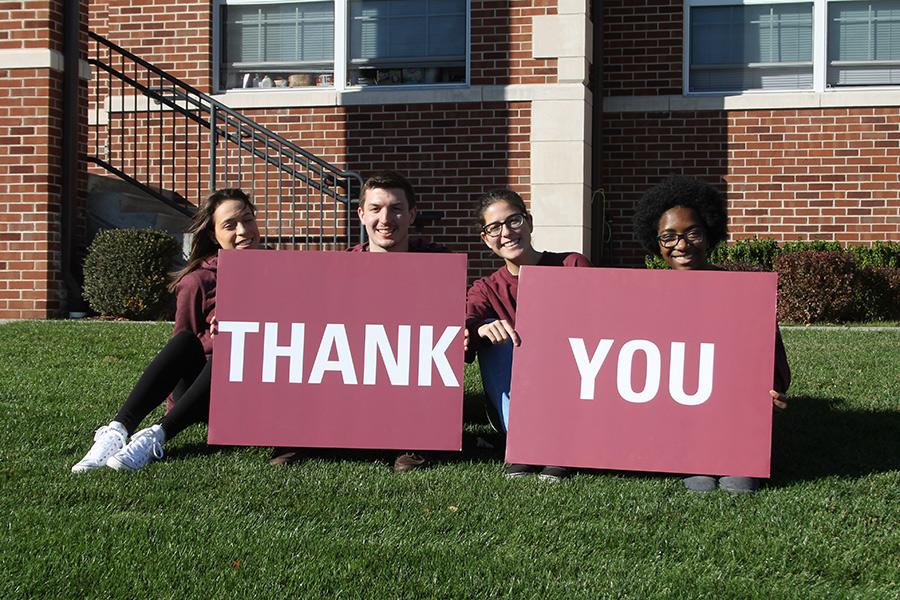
[177, 144]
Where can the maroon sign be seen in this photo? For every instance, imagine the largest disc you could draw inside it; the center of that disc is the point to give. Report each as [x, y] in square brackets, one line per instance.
[644, 370]
[335, 349]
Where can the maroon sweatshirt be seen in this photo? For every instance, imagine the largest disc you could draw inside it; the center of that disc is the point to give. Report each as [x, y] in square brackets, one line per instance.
[196, 302]
[417, 245]
[494, 296]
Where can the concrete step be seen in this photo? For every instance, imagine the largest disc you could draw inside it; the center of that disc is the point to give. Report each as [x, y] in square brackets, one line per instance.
[115, 204]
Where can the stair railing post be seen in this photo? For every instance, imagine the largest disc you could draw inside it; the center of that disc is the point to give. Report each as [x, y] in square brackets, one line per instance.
[213, 139]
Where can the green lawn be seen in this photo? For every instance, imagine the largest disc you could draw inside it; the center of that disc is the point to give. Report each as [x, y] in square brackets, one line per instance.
[216, 523]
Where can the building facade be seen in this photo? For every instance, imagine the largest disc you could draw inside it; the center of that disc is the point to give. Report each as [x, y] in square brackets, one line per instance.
[789, 106]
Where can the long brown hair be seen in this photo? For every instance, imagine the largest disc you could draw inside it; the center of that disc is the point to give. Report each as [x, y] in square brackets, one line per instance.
[202, 228]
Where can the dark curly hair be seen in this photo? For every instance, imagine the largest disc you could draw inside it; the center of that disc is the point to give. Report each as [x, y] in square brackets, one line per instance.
[679, 190]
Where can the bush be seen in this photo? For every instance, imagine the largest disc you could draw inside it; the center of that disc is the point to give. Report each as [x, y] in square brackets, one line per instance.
[741, 266]
[862, 285]
[754, 252]
[879, 254]
[816, 286]
[652, 261]
[877, 294]
[125, 273]
[813, 246]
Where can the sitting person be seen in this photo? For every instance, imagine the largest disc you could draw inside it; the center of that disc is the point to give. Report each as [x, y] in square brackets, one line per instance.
[226, 220]
[682, 219]
[387, 208]
[491, 306]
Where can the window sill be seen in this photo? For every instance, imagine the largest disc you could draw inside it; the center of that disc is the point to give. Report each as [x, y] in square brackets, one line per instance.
[400, 94]
[833, 98]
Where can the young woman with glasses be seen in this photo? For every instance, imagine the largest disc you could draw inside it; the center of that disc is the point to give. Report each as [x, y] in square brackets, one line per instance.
[681, 220]
[506, 229]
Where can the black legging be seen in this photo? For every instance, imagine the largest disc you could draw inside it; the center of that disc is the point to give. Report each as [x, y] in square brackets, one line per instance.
[181, 365]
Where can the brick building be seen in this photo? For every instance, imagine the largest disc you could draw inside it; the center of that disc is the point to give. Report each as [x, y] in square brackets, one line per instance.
[788, 106]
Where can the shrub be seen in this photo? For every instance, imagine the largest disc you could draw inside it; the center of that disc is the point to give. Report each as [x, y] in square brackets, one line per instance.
[816, 286]
[759, 252]
[879, 254]
[877, 294]
[125, 273]
[652, 261]
[813, 246]
[741, 266]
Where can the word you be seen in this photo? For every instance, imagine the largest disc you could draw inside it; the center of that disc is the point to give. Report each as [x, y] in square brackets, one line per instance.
[589, 368]
[334, 341]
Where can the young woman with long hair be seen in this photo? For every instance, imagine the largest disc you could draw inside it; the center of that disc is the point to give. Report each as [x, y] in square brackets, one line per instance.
[226, 220]
[505, 227]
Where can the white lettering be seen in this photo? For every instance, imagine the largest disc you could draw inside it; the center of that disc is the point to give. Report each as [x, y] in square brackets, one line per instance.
[436, 354]
[623, 374]
[589, 368]
[676, 375]
[335, 335]
[377, 343]
[271, 351]
[237, 329]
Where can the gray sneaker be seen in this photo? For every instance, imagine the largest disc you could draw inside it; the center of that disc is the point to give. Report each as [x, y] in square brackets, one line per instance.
[700, 483]
[739, 485]
[145, 446]
[515, 470]
[554, 474]
[108, 440]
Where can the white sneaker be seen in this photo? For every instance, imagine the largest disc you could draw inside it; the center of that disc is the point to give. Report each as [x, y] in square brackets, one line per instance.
[145, 446]
[108, 440]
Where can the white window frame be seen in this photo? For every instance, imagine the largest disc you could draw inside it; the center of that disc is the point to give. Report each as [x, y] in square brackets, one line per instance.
[341, 53]
[820, 49]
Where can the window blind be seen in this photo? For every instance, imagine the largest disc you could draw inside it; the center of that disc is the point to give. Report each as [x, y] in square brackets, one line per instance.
[752, 47]
[300, 32]
[419, 31]
[864, 43]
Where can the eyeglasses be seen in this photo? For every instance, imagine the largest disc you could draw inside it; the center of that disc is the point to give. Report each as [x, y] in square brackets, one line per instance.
[691, 236]
[514, 222]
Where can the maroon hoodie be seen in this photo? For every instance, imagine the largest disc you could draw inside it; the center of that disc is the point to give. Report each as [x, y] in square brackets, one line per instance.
[416, 245]
[196, 302]
[494, 296]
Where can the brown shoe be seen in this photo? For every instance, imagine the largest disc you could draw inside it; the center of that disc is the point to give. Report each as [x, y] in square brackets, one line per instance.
[411, 460]
[286, 456]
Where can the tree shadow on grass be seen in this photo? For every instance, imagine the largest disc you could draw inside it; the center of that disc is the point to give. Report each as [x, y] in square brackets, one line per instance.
[817, 438]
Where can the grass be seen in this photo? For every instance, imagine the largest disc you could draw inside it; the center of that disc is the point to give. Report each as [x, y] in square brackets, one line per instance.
[218, 522]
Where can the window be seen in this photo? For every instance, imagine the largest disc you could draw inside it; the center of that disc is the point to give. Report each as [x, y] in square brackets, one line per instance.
[779, 45]
[267, 44]
[280, 44]
[407, 41]
[864, 43]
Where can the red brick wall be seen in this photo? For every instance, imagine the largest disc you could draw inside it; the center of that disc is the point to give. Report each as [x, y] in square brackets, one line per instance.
[30, 135]
[32, 24]
[642, 47]
[175, 35]
[791, 174]
[501, 43]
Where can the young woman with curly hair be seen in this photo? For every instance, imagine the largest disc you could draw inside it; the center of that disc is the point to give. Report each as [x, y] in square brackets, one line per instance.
[682, 219]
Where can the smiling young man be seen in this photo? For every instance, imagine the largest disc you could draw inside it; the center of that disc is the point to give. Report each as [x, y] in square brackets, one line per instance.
[387, 208]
